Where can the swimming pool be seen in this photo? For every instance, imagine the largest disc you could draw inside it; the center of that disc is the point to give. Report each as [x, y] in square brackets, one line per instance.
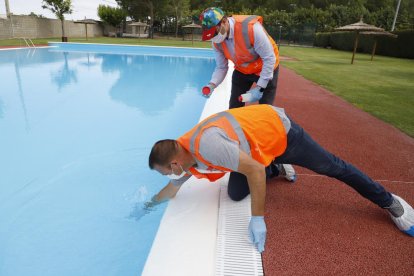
[76, 127]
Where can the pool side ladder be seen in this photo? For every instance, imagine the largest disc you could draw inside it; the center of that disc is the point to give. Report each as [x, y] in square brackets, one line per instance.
[29, 42]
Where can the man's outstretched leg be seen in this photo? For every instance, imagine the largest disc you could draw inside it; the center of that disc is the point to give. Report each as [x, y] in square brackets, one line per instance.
[302, 150]
[402, 214]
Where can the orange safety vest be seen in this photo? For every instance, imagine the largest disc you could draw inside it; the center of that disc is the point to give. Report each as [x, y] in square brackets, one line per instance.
[245, 58]
[257, 128]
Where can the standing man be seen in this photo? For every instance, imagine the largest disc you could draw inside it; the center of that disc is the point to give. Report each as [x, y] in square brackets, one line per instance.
[243, 40]
[246, 140]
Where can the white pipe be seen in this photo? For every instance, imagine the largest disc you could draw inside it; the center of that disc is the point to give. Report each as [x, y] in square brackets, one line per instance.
[7, 7]
[395, 16]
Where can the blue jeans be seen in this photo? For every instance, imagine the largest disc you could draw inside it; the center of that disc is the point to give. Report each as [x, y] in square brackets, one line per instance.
[303, 151]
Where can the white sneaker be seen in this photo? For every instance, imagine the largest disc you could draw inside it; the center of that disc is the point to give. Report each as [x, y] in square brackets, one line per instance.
[405, 222]
[288, 172]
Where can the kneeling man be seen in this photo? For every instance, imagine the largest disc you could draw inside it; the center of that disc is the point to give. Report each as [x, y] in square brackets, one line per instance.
[247, 141]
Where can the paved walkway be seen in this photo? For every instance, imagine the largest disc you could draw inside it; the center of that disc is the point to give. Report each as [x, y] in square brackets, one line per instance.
[320, 226]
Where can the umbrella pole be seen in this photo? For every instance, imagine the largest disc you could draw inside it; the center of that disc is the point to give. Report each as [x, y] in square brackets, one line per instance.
[355, 47]
[373, 49]
[86, 31]
[192, 37]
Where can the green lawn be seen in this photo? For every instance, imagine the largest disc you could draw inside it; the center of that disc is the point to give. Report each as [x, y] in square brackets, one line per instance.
[383, 87]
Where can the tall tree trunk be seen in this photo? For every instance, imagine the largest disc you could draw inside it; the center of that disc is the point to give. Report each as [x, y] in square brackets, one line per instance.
[63, 28]
[152, 20]
[176, 21]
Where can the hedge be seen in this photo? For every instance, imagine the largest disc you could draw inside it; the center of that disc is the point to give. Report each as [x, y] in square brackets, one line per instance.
[401, 47]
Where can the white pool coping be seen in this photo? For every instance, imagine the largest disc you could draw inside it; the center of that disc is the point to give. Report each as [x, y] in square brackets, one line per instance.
[185, 243]
[22, 48]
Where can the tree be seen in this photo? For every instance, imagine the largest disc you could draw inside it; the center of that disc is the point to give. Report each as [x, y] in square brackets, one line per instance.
[59, 8]
[341, 15]
[36, 15]
[111, 16]
[312, 16]
[144, 9]
[181, 9]
[290, 14]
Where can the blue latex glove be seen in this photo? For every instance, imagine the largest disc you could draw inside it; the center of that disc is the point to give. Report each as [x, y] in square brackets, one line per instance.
[257, 232]
[207, 90]
[253, 95]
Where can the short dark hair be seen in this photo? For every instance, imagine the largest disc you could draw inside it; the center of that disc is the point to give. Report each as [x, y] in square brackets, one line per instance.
[162, 153]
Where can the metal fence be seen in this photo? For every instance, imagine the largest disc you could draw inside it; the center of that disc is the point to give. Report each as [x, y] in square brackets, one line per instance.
[299, 35]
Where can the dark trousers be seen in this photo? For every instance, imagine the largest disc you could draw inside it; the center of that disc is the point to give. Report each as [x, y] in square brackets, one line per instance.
[241, 83]
[303, 151]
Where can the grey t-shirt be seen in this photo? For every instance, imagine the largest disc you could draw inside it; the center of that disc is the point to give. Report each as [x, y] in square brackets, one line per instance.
[218, 149]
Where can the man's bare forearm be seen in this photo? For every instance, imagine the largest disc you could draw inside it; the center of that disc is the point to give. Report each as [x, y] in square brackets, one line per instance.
[256, 178]
[169, 191]
[257, 186]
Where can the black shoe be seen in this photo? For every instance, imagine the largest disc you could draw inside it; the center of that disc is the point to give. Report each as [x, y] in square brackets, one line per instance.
[272, 171]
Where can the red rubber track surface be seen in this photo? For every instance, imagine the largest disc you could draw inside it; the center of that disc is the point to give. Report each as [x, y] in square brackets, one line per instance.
[320, 226]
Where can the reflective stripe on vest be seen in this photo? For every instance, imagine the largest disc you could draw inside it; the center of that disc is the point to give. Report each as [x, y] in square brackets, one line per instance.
[249, 46]
[245, 58]
[257, 129]
[236, 127]
[246, 39]
[212, 176]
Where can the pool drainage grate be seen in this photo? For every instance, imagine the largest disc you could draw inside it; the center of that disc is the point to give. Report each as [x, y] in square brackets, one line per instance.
[235, 255]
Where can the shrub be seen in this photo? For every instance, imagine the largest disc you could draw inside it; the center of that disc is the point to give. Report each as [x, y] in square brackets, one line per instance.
[401, 47]
[322, 40]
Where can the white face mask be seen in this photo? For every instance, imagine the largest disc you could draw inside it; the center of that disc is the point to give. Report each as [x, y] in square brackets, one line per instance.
[218, 38]
[173, 176]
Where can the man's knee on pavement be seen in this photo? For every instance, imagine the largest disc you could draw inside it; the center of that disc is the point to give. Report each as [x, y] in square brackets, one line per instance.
[238, 188]
[236, 196]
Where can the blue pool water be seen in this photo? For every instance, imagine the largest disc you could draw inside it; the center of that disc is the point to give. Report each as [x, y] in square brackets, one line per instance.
[76, 127]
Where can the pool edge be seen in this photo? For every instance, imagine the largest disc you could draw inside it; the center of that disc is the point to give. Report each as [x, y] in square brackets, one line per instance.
[185, 243]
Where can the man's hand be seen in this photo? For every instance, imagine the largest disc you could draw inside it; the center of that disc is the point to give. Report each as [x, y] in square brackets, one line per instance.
[153, 202]
[208, 90]
[257, 232]
[256, 178]
[253, 95]
[140, 210]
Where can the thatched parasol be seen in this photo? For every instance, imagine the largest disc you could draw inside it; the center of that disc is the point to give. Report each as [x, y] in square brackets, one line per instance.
[359, 27]
[138, 24]
[376, 35]
[86, 22]
[192, 26]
